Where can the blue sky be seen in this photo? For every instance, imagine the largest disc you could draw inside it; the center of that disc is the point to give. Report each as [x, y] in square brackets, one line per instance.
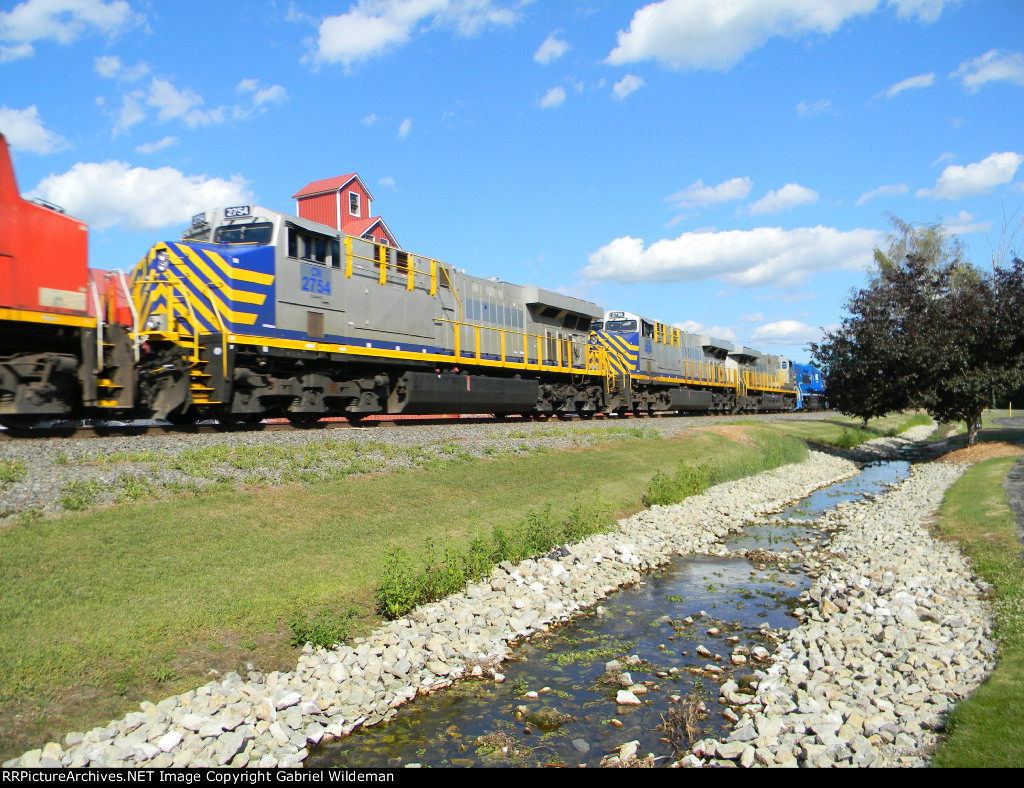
[724, 166]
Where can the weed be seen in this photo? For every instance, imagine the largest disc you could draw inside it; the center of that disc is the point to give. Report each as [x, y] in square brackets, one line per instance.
[12, 471]
[134, 487]
[61, 458]
[322, 627]
[406, 583]
[681, 725]
[80, 494]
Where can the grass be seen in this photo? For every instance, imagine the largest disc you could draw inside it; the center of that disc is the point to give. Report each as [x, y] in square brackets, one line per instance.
[845, 433]
[987, 730]
[110, 606]
[773, 450]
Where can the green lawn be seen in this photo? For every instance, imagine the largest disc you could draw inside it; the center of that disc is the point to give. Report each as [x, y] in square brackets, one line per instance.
[988, 729]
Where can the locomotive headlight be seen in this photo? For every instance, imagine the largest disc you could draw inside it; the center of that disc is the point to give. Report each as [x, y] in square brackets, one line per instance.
[161, 261]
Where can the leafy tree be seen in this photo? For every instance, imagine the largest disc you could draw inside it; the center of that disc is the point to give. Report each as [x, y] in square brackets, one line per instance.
[930, 332]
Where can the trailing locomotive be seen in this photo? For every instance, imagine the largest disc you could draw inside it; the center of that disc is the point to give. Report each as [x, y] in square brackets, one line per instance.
[256, 313]
[810, 387]
[672, 370]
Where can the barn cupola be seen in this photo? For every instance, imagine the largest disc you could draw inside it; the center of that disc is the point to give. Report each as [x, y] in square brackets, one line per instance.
[343, 203]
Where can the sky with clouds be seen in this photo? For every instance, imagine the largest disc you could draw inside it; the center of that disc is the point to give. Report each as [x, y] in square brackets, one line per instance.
[726, 167]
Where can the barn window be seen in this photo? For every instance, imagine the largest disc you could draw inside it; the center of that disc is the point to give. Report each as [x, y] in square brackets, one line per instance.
[354, 204]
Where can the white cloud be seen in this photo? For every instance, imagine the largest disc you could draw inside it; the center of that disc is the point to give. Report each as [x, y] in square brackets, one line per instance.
[132, 112]
[819, 107]
[789, 196]
[552, 49]
[746, 258]
[136, 198]
[785, 332]
[893, 190]
[173, 103]
[369, 120]
[718, 332]
[910, 83]
[111, 67]
[957, 182]
[947, 156]
[963, 224]
[153, 147]
[26, 131]
[628, 84]
[370, 28]
[553, 98]
[993, 66]
[697, 195]
[273, 94]
[757, 317]
[691, 34]
[388, 182]
[922, 10]
[16, 52]
[62, 21]
[404, 128]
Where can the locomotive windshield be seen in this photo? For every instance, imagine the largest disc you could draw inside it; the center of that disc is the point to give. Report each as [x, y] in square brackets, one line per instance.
[596, 325]
[620, 325]
[259, 233]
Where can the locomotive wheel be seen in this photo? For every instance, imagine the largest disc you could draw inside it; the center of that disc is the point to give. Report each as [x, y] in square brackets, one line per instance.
[182, 418]
[304, 419]
[563, 415]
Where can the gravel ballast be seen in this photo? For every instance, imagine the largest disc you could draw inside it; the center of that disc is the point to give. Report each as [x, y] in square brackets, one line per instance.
[62, 474]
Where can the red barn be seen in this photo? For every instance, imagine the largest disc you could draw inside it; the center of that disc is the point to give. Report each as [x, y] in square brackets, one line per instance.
[344, 204]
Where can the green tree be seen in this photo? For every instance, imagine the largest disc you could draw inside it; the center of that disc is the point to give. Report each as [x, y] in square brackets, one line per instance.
[930, 332]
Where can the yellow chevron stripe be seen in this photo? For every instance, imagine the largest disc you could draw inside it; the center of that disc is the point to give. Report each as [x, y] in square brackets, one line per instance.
[218, 284]
[241, 318]
[240, 274]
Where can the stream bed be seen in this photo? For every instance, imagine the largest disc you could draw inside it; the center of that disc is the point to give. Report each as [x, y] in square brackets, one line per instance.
[671, 640]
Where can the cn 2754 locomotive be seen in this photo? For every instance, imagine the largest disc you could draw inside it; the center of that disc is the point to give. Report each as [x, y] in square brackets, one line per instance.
[257, 313]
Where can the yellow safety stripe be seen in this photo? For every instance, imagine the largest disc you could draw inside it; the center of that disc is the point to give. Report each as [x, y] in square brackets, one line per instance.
[405, 355]
[50, 318]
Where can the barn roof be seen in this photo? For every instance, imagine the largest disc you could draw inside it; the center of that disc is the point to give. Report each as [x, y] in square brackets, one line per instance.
[328, 185]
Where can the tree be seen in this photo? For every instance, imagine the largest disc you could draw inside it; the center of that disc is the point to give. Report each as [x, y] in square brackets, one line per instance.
[930, 332]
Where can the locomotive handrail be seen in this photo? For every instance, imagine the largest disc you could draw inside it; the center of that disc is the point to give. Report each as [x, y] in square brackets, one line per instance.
[562, 359]
[99, 324]
[133, 309]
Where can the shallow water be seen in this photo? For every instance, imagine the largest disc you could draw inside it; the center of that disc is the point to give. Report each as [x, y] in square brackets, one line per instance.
[480, 723]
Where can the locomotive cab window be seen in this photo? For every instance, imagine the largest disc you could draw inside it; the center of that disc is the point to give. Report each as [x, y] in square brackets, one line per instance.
[313, 247]
[258, 233]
